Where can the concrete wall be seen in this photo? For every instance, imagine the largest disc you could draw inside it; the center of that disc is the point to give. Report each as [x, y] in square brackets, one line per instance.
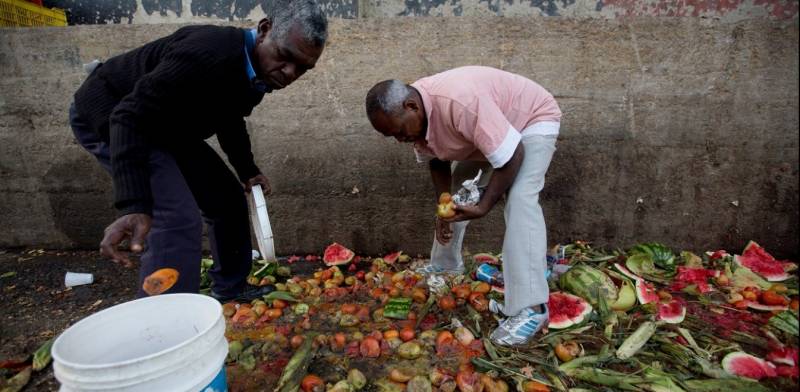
[202, 11]
[679, 130]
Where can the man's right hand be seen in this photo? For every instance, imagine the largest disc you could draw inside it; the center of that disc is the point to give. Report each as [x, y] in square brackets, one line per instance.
[444, 231]
[132, 226]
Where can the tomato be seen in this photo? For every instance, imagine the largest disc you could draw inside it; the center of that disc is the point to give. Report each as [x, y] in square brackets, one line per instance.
[370, 348]
[390, 334]
[447, 303]
[312, 383]
[349, 308]
[279, 303]
[297, 340]
[407, 334]
[461, 291]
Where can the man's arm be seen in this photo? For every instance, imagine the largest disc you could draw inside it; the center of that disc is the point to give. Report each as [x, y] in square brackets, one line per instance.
[442, 177]
[500, 182]
[440, 174]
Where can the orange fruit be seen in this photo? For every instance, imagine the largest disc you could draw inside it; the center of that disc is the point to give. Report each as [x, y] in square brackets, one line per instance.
[160, 281]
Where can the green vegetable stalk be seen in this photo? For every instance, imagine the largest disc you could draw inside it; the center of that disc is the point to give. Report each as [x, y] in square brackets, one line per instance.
[637, 340]
[297, 366]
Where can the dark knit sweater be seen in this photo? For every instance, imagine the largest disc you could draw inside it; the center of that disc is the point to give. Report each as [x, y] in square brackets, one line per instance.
[171, 93]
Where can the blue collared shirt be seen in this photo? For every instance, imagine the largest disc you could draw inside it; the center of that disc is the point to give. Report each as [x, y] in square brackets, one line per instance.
[249, 45]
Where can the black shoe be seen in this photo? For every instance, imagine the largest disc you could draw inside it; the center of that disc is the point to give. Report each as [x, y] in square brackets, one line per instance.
[247, 295]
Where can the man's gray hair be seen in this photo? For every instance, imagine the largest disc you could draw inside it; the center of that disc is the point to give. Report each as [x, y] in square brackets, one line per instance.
[306, 13]
[387, 96]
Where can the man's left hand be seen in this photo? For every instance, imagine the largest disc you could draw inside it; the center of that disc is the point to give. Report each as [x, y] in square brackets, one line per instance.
[464, 213]
[258, 180]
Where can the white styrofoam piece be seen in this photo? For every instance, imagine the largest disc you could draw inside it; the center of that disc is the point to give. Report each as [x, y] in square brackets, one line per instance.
[260, 220]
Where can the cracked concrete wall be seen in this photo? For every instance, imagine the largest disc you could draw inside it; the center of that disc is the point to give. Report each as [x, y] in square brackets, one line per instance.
[204, 11]
[680, 130]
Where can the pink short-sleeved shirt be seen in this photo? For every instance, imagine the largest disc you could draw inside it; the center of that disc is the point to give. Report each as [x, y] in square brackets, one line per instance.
[479, 113]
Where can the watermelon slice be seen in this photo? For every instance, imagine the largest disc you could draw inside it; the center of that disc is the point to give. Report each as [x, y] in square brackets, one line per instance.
[392, 257]
[645, 292]
[745, 365]
[566, 310]
[622, 269]
[784, 356]
[489, 258]
[759, 261]
[336, 254]
[672, 312]
[766, 308]
[717, 254]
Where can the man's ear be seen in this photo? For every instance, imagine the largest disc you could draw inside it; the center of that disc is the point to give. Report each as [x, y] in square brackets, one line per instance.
[264, 26]
[411, 104]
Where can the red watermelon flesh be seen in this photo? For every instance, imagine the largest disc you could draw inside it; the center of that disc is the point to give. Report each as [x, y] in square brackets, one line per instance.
[696, 276]
[336, 254]
[566, 310]
[645, 292]
[784, 355]
[759, 261]
[718, 254]
[392, 257]
[481, 258]
[672, 312]
[788, 371]
[745, 365]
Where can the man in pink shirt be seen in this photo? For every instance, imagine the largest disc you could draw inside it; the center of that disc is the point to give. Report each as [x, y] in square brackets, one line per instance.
[480, 118]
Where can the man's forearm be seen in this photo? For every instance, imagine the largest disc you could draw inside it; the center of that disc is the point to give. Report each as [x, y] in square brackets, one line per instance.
[502, 178]
[440, 174]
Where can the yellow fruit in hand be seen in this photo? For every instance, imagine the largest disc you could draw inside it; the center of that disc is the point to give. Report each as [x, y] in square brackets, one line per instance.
[446, 210]
[445, 198]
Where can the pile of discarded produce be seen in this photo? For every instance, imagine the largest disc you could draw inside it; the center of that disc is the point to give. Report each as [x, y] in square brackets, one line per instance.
[642, 320]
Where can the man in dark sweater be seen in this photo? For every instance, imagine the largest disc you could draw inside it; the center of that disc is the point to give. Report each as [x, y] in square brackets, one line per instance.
[145, 115]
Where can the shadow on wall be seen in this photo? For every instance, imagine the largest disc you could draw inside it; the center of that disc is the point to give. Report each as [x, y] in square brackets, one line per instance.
[80, 195]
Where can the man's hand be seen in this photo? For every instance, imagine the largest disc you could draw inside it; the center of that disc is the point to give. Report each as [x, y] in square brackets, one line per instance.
[468, 213]
[260, 180]
[444, 231]
[132, 226]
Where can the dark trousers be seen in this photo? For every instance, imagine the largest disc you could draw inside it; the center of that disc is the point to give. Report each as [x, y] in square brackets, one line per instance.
[188, 184]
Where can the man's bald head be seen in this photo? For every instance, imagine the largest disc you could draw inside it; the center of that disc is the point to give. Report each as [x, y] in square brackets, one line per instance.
[395, 109]
[387, 97]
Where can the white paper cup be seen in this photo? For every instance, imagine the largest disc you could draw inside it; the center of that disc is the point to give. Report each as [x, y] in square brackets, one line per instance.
[77, 279]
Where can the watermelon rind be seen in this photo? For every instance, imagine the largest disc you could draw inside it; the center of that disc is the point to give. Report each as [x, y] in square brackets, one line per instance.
[666, 312]
[745, 365]
[587, 282]
[766, 308]
[565, 321]
[645, 292]
[627, 297]
[336, 254]
[626, 272]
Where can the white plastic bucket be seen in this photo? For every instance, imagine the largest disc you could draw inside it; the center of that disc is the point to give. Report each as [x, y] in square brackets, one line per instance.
[171, 342]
